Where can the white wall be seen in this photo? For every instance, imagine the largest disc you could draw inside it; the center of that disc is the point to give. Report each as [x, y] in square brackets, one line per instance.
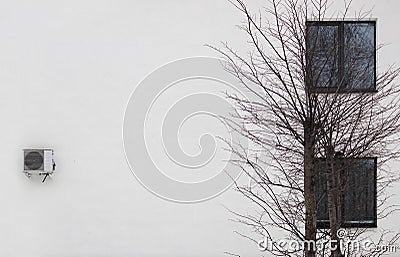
[67, 69]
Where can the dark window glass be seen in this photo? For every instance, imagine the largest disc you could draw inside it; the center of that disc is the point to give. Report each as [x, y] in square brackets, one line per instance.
[359, 55]
[357, 188]
[324, 64]
[341, 56]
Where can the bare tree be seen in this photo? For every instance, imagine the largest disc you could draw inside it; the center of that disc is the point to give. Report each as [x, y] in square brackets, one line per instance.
[304, 109]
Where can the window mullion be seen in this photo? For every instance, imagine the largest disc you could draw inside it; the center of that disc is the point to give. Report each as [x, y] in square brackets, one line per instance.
[341, 56]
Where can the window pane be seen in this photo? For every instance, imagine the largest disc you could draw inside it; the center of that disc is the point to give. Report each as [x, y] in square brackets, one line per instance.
[358, 180]
[360, 191]
[323, 55]
[321, 194]
[359, 55]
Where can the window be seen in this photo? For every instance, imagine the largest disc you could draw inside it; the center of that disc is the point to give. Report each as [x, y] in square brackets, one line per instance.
[341, 56]
[357, 190]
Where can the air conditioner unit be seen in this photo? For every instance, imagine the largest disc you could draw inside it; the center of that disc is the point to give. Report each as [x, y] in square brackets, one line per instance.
[38, 162]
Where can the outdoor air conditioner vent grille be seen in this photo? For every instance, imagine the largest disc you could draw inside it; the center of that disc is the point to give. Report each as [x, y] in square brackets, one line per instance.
[33, 160]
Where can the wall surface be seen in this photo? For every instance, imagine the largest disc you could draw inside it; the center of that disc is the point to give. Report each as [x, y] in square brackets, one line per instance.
[67, 69]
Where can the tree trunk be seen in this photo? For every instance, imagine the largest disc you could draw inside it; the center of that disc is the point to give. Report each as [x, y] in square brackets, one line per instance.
[309, 196]
[334, 201]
